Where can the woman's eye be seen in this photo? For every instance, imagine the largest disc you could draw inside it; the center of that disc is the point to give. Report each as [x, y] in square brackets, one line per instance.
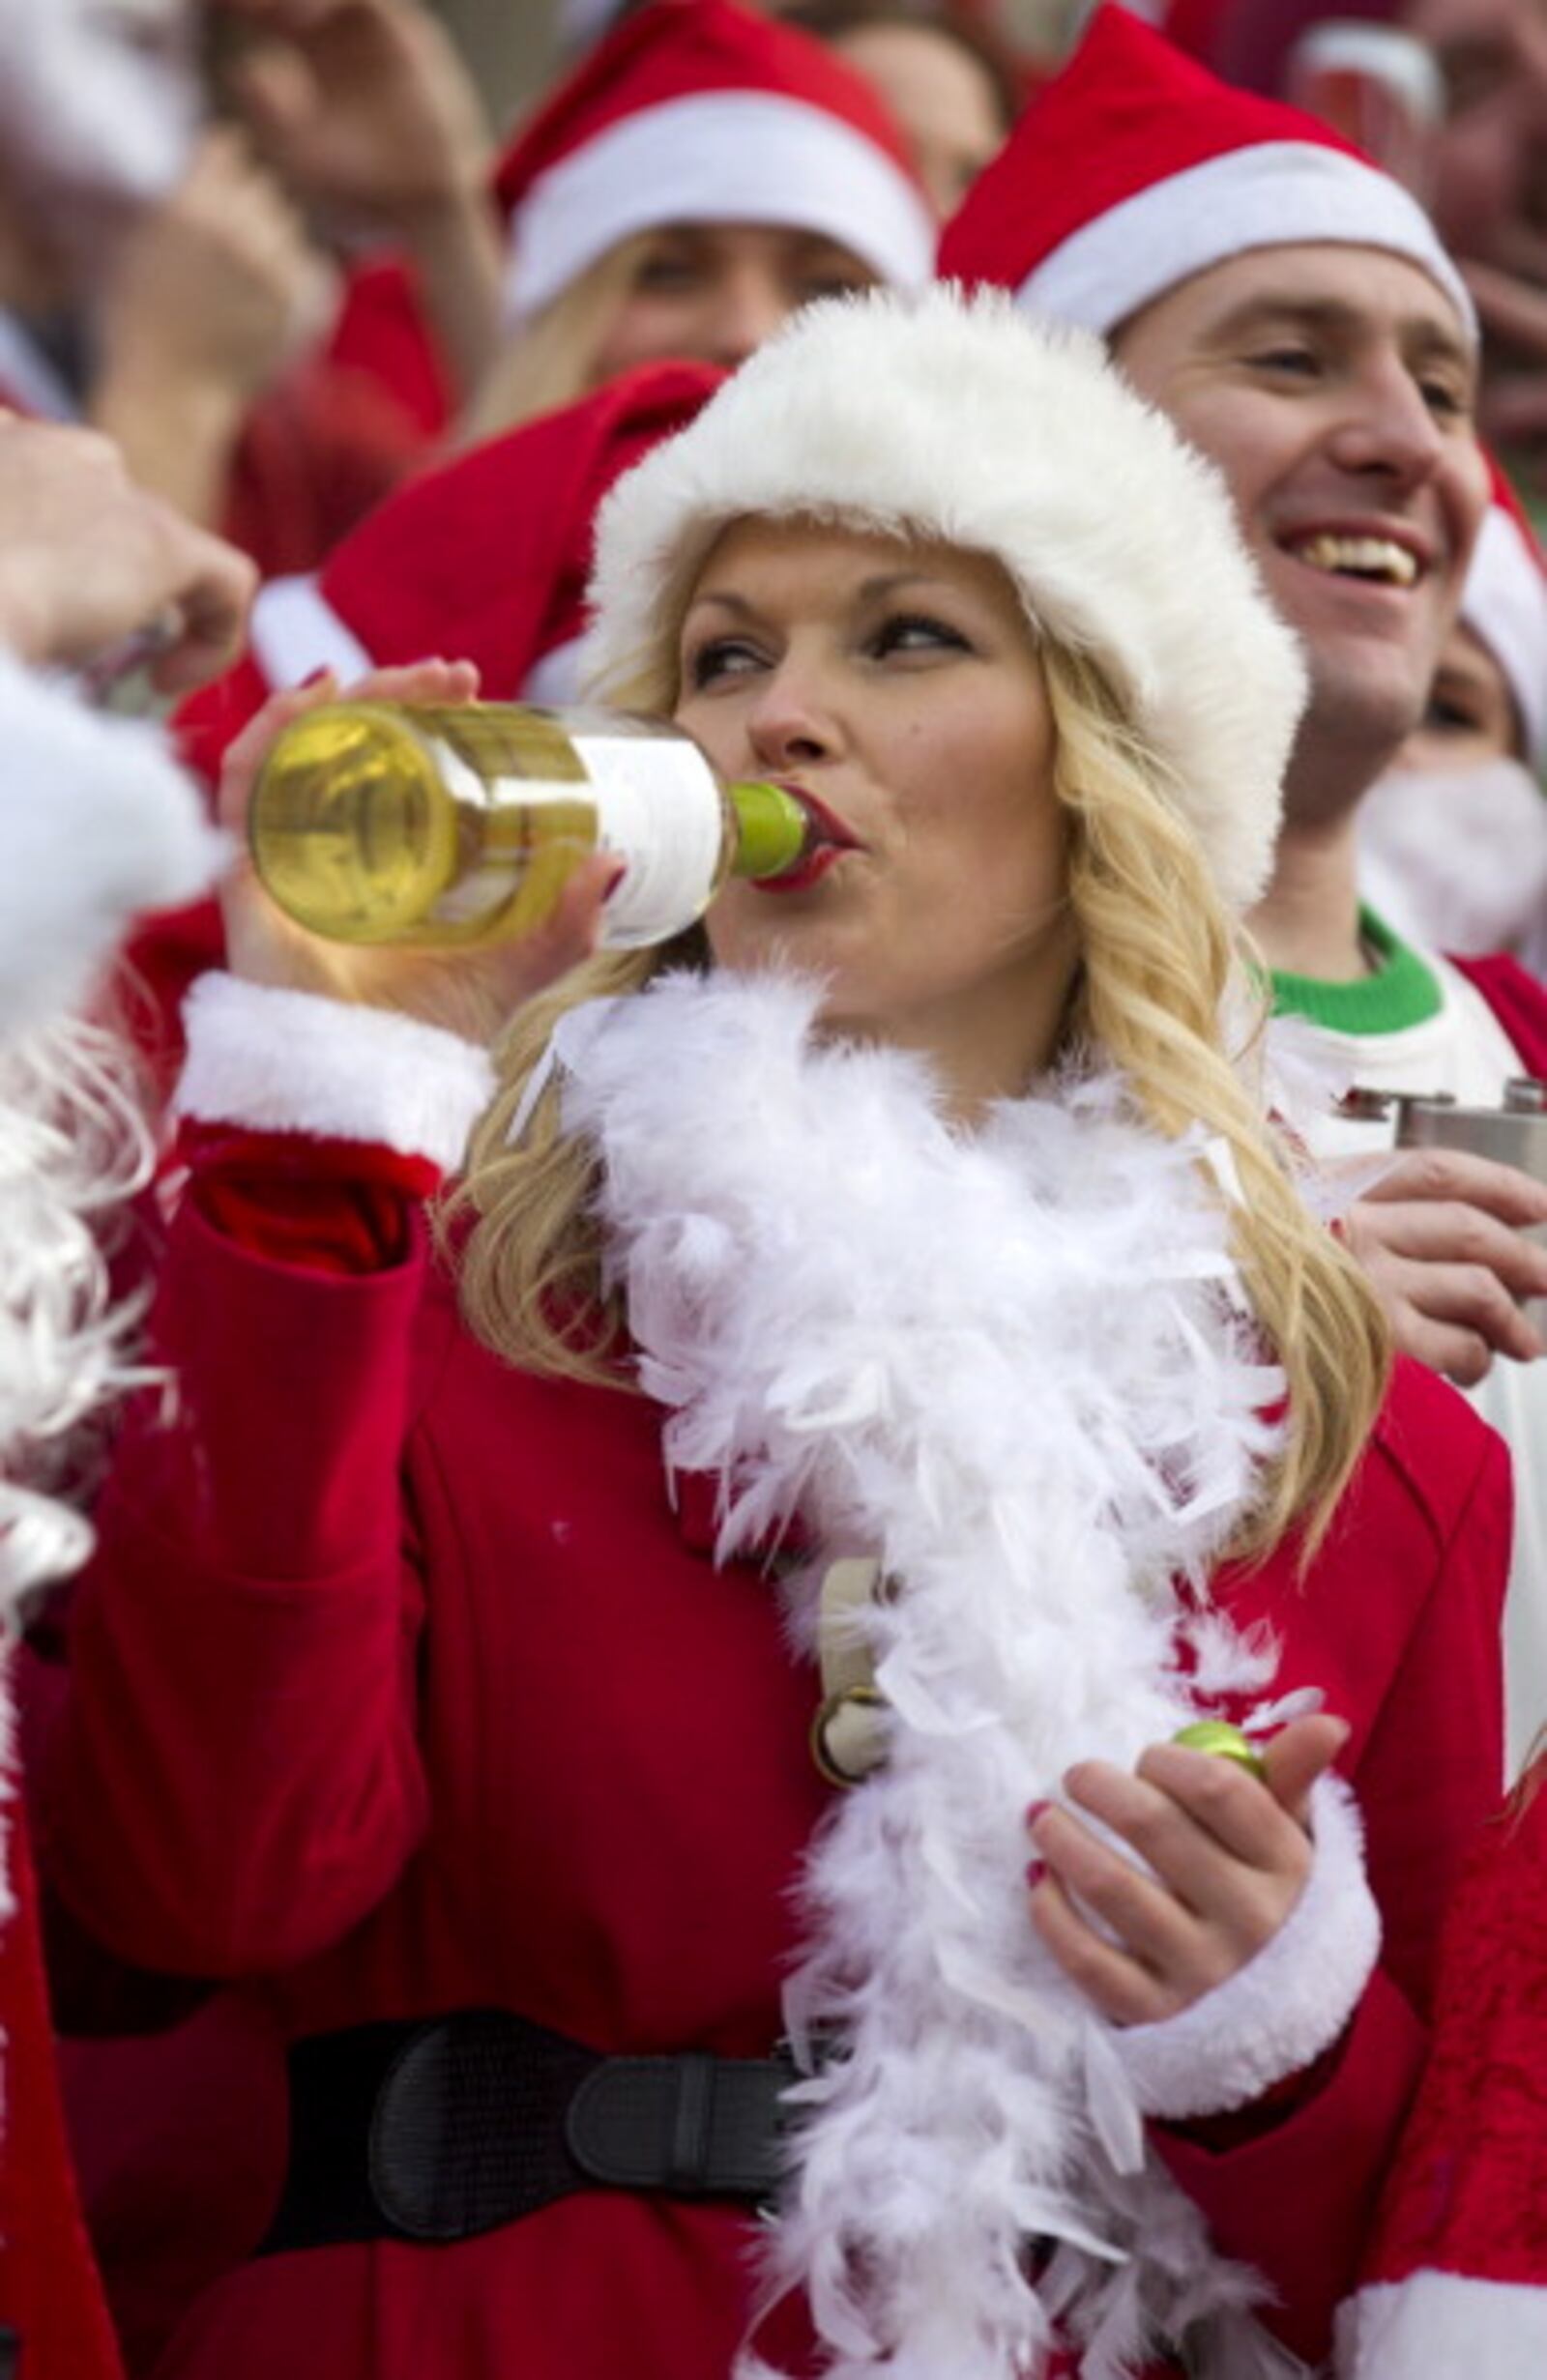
[724, 656]
[918, 632]
[838, 283]
[667, 269]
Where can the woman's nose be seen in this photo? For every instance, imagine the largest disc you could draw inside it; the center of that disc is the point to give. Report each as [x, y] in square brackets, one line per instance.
[749, 306]
[790, 723]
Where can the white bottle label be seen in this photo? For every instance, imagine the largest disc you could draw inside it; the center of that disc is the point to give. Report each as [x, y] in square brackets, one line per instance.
[659, 811]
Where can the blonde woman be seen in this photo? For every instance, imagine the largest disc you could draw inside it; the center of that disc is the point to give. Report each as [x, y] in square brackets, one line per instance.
[602, 1685]
[700, 176]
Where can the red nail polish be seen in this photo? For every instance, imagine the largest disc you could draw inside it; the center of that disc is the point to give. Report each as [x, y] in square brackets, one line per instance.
[315, 677]
[1035, 1871]
[1035, 1810]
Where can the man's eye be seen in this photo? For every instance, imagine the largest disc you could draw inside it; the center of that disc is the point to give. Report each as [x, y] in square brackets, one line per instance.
[1299, 362]
[1445, 398]
[1446, 714]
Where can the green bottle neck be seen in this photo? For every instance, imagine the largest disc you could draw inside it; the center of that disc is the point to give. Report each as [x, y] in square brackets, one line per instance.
[772, 828]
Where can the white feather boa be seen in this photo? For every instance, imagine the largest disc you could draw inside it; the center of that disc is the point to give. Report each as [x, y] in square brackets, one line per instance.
[1019, 1369]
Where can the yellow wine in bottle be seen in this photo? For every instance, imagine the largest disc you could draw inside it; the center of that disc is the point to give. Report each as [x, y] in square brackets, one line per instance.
[447, 824]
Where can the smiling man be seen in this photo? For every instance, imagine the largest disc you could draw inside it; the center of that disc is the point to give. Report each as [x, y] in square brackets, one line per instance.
[1293, 312]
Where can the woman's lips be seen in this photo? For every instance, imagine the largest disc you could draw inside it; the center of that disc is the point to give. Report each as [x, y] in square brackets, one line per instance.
[828, 838]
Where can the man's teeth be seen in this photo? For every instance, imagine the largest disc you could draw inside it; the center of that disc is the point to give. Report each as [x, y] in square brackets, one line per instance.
[1363, 557]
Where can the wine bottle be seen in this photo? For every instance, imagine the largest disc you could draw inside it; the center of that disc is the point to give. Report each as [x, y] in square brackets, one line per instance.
[454, 825]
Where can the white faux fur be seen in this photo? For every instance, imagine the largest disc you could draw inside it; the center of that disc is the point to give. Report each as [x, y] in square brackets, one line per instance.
[99, 823]
[1442, 2326]
[294, 1061]
[1285, 2006]
[960, 420]
[1018, 1370]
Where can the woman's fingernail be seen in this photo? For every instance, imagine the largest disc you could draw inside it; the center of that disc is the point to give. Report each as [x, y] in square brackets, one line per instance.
[315, 677]
[1035, 1871]
[1035, 1810]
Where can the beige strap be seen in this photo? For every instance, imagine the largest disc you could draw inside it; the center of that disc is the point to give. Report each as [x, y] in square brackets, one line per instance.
[849, 1731]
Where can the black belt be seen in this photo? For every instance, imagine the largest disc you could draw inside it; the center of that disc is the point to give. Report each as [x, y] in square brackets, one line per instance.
[438, 2130]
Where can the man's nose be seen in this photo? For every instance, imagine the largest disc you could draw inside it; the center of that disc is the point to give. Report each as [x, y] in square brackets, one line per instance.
[1388, 427]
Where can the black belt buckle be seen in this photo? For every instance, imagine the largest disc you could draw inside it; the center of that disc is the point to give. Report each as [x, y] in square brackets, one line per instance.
[482, 2117]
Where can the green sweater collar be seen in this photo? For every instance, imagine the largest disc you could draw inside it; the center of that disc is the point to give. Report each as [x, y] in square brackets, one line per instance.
[1402, 990]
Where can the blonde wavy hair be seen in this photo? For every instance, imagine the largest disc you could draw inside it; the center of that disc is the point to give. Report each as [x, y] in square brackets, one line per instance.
[1160, 965]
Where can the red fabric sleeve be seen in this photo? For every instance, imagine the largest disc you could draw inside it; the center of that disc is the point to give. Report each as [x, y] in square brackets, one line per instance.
[329, 1206]
[243, 1647]
[1297, 2200]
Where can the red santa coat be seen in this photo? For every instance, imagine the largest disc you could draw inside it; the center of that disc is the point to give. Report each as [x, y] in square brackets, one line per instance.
[1457, 2277]
[405, 1689]
[51, 2311]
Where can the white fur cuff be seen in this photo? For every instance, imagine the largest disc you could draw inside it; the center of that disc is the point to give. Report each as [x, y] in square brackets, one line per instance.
[296, 1061]
[1285, 2006]
[1435, 2324]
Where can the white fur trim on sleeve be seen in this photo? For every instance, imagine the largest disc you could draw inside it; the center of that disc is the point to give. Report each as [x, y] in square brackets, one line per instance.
[295, 1061]
[98, 823]
[1285, 2006]
[1435, 2326]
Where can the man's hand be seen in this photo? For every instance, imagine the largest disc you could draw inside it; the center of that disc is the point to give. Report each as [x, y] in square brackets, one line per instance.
[218, 288]
[362, 106]
[87, 560]
[1440, 1235]
[367, 112]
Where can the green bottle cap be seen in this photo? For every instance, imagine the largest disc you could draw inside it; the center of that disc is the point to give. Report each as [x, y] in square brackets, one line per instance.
[772, 828]
[1225, 1742]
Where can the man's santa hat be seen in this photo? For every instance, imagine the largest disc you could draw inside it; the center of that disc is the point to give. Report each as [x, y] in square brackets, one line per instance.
[1135, 168]
[1505, 605]
[696, 111]
[1001, 438]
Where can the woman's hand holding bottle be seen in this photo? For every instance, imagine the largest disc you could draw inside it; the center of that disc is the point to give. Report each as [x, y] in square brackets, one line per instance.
[471, 992]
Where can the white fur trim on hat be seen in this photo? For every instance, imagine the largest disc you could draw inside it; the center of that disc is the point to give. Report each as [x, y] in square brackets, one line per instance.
[1505, 603]
[100, 823]
[960, 420]
[1272, 194]
[294, 1061]
[1277, 2013]
[294, 630]
[718, 156]
[1442, 2326]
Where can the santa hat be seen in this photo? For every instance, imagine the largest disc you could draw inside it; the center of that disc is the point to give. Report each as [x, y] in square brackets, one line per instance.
[999, 437]
[1136, 169]
[696, 111]
[1505, 606]
[485, 560]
